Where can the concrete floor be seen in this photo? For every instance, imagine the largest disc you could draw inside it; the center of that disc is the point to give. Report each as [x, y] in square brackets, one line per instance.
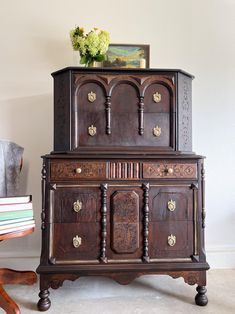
[146, 295]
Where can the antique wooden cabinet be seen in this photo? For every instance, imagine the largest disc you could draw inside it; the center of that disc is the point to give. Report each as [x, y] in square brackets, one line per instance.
[122, 191]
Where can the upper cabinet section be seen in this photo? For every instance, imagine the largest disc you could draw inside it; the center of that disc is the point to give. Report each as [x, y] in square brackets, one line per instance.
[122, 109]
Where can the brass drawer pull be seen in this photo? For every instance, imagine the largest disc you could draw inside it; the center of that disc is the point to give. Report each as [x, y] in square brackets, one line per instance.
[91, 96]
[157, 131]
[170, 170]
[171, 205]
[171, 240]
[92, 130]
[78, 170]
[77, 241]
[157, 97]
[77, 206]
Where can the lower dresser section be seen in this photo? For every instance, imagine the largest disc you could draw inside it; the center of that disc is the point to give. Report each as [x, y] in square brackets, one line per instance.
[95, 225]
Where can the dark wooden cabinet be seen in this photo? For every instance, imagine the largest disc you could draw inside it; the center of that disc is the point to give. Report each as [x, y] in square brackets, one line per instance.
[122, 110]
[122, 192]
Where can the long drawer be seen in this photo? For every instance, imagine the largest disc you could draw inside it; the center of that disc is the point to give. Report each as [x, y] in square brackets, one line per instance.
[170, 170]
[125, 170]
[76, 170]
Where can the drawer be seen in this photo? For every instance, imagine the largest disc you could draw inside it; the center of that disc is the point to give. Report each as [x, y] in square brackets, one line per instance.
[171, 203]
[172, 239]
[168, 170]
[75, 242]
[75, 170]
[72, 204]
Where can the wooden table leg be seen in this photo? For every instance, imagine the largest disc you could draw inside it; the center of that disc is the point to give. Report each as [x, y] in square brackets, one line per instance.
[10, 276]
[7, 304]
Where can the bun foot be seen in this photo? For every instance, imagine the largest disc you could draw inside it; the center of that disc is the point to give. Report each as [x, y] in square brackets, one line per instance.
[201, 298]
[44, 303]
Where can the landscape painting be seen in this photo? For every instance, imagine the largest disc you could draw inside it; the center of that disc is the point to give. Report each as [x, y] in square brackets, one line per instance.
[127, 56]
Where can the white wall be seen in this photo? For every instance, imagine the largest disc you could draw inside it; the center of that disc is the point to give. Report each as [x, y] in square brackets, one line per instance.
[195, 35]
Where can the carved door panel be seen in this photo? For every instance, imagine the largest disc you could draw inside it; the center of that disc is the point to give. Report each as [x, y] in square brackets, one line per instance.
[171, 203]
[90, 120]
[157, 98]
[124, 112]
[125, 231]
[75, 205]
[172, 214]
[74, 243]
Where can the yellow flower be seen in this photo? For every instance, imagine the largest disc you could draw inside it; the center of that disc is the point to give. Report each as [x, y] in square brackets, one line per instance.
[81, 29]
[95, 28]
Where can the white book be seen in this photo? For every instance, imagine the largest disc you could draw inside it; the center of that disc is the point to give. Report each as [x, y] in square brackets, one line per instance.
[17, 224]
[14, 207]
[14, 229]
[9, 221]
[15, 199]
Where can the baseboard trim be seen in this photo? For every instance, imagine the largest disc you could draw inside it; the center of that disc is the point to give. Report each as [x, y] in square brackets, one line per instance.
[221, 257]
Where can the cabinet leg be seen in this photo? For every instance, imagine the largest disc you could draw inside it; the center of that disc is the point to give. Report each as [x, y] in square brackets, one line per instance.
[201, 298]
[44, 303]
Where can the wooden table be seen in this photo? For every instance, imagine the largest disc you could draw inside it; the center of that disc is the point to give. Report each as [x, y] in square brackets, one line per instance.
[10, 276]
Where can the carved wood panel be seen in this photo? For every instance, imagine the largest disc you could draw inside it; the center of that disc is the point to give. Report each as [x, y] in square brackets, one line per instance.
[125, 222]
[184, 113]
[62, 170]
[169, 170]
[124, 170]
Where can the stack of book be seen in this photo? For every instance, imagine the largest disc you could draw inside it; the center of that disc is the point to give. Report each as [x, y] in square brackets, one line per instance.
[16, 214]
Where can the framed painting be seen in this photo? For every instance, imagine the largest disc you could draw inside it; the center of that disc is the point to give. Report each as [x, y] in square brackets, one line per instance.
[127, 56]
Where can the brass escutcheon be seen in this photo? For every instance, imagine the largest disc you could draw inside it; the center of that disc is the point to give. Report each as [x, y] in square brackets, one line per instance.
[77, 206]
[92, 130]
[157, 97]
[91, 96]
[171, 205]
[171, 240]
[157, 131]
[77, 241]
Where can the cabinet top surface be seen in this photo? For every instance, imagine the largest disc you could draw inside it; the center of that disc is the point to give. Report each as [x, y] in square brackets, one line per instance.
[79, 155]
[119, 70]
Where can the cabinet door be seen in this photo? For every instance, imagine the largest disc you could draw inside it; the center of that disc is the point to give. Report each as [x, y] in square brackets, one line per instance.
[125, 232]
[74, 243]
[171, 222]
[123, 111]
[75, 229]
[73, 204]
[90, 122]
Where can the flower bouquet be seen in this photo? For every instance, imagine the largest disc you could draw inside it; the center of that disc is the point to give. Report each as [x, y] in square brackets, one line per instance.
[92, 46]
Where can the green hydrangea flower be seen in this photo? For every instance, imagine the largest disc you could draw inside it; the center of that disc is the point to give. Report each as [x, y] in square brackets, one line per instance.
[103, 42]
[92, 46]
[92, 43]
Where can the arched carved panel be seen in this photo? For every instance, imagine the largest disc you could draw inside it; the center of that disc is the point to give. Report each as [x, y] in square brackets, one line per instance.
[90, 97]
[157, 98]
[125, 97]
